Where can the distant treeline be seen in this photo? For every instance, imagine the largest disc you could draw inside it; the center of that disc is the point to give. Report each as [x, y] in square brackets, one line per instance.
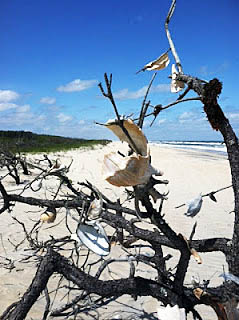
[26, 141]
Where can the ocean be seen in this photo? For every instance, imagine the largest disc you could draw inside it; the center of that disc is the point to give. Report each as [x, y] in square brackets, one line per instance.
[204, 146]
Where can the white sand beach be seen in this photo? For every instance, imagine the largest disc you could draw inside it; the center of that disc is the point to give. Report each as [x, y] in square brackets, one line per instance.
[189, 173]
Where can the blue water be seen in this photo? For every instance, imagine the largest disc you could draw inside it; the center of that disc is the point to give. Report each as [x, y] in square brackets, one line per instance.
[204, 146]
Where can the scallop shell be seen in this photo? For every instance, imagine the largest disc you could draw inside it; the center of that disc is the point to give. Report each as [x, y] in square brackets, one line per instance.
[126, 171]
[134, 131]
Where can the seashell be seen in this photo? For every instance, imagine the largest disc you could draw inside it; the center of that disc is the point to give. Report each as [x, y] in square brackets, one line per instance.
[95, 209]
[93, 236]
[49, 215]
[196, 256]
[174, 313]
[57, 164]
[126, 171]
[176, 85]
[158, 64]
[198, 292]
[193, 251]
[36, 185]
[134, 131]
[194, 206]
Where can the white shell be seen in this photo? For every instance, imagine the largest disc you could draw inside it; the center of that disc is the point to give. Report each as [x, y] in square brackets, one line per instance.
[93, 236]
[134, 131]
[57, 164]
[95, 209]
[176, 85]
[171, 313]
[194, 206]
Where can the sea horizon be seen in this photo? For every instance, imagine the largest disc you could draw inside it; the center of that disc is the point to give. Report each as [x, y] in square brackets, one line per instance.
[200, 145]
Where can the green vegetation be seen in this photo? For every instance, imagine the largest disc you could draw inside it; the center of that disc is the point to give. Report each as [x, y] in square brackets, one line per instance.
[25, 141]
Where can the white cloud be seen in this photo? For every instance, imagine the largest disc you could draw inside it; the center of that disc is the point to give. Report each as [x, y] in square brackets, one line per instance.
[48, 100]
[77, 85]
[7, 106]
[125, 94]
[24, 108]
[8, 95]
[81, 122]
[188, 115]
[233, 116]
[63, 117]
[161, 121]
[164, 87]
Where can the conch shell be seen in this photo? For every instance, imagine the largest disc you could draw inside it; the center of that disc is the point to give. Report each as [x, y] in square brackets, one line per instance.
[127, 171]
[134, 132]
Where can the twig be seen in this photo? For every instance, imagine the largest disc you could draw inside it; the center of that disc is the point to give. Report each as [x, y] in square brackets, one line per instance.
[176, 57]
[48, 301]
[145, 107]
[119, 121]
[109, 94]
[210, 194]
[158, 108]
[193, 232]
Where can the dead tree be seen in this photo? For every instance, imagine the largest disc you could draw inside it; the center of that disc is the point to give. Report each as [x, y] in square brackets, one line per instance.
[169, 287]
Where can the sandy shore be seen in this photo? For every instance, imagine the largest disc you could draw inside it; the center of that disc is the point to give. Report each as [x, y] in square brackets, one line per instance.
[188, 172]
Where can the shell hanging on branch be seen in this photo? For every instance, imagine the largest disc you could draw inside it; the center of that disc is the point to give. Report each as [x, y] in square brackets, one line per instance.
[95, 209]
[194, 206]
[127, 171]
[193, 251]
[158, 64]
[176, 85]
[134, 132]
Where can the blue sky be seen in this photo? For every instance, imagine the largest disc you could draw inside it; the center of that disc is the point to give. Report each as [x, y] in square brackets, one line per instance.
[54, 53]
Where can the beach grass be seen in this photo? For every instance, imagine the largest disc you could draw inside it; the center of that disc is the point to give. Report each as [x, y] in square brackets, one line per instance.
[25, 141]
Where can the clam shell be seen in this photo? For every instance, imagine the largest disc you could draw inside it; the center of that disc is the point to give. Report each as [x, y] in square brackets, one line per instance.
[134, 131]
[126, 171]
[93, 236]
